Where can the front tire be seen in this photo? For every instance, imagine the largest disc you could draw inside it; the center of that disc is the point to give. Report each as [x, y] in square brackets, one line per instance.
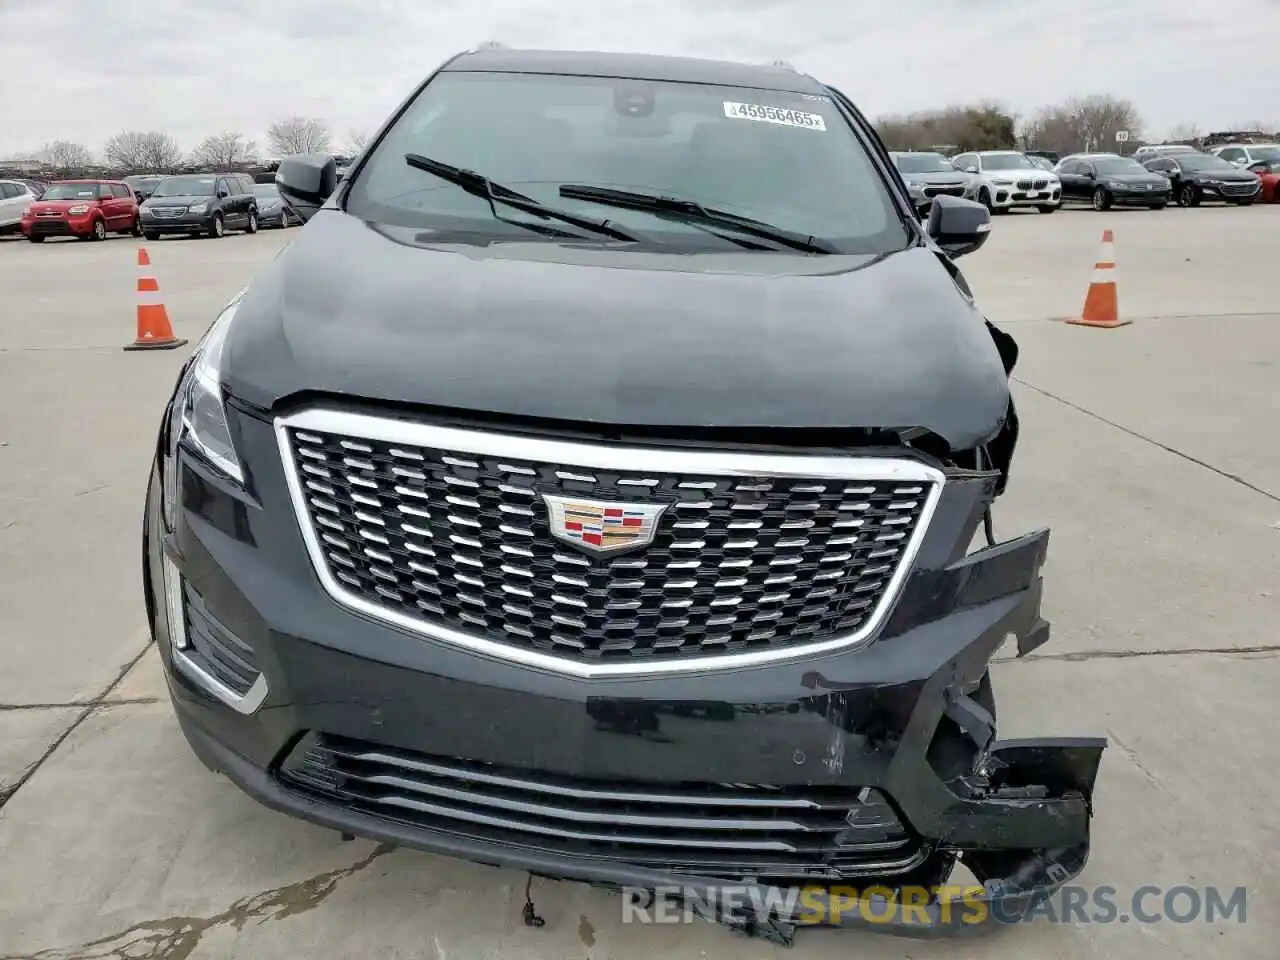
[1101, 199]
[99, 231]
[137, 227]
[217, 229]
[984, 198]
[253, 222]
[1188, 196]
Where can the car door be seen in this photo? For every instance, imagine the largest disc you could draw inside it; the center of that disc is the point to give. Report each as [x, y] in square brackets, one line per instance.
[1069, 174]
[1171, 169]
[109, 206]
[243, 187]
[225, 204]
[12, 203]
[128, 204]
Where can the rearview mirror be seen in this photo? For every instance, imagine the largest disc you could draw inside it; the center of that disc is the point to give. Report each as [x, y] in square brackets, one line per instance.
[306, 182]
[959, 226]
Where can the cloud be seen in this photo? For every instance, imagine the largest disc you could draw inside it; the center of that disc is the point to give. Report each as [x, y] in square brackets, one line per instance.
[194, 67]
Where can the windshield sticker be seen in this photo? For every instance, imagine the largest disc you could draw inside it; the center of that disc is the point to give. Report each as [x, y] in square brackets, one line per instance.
[781, 115]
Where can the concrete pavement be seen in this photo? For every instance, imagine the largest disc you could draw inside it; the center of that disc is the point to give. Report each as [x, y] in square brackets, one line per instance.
[1145, 449]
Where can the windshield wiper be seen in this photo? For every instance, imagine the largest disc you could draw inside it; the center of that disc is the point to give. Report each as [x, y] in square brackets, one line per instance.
[693, 212]
[480, 186]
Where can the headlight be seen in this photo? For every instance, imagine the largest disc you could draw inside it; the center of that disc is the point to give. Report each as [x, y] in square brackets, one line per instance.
[78, 209]
[199, 418]
[1115, 184]
[29, 212]
[198, 208]
[1002, 182]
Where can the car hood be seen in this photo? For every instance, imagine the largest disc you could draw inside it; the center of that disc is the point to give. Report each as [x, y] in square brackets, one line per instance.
[1034, 173]
[940, 176]
[61, 206]
[181, 201]
[1133, 177]
[1231, 176]
[592, 335]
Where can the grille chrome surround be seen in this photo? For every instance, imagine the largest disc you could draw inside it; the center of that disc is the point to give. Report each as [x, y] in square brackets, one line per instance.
[512, 454]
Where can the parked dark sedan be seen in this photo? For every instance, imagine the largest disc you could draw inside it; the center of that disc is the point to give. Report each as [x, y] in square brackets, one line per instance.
[1104, 181]
[1198, 176]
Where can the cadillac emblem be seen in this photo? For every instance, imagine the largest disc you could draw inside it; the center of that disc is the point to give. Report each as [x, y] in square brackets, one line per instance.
[600, 527]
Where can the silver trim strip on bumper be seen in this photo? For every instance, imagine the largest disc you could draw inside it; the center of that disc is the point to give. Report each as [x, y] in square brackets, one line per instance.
[604, 457]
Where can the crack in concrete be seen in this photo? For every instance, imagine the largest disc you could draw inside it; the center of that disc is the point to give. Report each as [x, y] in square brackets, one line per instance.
[7, 793]
[1151, 440]
[176, 938]
[1131, 755]
[1265, 650]
[73, 704]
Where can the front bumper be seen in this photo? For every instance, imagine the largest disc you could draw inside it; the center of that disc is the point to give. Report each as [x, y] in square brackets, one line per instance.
[900, 716]
[64, 226]
[186, 223]
[1004, 196]
[1230, 193]
[1138, 198]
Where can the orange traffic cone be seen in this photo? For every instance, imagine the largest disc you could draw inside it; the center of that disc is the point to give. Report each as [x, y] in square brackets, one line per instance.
[154, 330]
[1101, 304]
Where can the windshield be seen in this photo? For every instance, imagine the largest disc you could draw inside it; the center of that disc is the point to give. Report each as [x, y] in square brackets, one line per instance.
[266, 191]
[185, 187]
[776, 157]
[1264, 153]
[1006, 161]
[71, 191]
[1118, 165]
[1204, 162]
[923, 163]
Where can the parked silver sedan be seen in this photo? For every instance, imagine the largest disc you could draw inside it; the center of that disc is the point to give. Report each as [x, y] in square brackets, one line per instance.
[271, 209]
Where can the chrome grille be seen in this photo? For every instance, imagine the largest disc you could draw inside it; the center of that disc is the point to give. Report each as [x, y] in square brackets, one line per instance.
[1024, 184]
[722, 830]
[1238, 189]
[431, 535]
[167, 213]
[1040, 184]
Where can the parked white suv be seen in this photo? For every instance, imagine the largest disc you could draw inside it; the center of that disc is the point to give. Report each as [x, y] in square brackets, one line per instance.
[15, 197]
[1010, 179]
[1247, 154]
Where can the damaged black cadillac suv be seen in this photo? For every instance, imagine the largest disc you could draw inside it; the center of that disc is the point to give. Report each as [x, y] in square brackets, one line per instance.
[589, 489]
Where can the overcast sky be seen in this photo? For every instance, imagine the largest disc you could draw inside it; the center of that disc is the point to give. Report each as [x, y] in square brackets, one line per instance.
[85, 69]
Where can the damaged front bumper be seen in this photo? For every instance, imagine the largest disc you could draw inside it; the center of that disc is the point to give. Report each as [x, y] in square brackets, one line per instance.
[908, 717]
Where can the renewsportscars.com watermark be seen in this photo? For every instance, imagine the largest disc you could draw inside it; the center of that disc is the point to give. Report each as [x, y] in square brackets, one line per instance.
[972, 904]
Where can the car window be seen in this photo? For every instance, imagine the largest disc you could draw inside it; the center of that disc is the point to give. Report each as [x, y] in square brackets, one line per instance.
[1118, 165]
[1072, 167]
[222, 187]
[1007, 161]
[1231, 153]
[121, 191]
[7, 191]
[104, 191]
[196, 186]
[922, 163]
[769, 155]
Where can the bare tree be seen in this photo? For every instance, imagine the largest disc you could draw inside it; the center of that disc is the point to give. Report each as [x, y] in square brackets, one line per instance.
[125, 150]
[295, 135]
[1184, 131]
[137, 151]
[66, 156]
[983, 126]
[1097, 119]
[358, 139]
[224, 150]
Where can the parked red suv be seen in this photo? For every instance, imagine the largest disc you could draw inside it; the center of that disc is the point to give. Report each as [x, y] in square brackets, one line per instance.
[88, 209]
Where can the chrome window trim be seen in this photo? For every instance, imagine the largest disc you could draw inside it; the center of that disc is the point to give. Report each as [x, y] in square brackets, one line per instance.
[599, 456]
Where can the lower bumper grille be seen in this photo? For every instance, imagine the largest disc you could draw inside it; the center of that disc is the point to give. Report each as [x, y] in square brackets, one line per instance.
[1238, 189]
[957, 191]
[725, 831]
[51, 228]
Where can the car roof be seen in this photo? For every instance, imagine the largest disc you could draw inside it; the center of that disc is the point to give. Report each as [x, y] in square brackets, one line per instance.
[1254, 143]
[998, 153]
[634, 66]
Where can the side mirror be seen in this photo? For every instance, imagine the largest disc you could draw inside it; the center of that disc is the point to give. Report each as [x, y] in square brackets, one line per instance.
[970, 169]
[306, 182]
[959, 226]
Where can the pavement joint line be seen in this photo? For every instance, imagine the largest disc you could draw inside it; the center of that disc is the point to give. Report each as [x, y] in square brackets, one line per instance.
[9, 792]
[1151, 316]
[1081, 656]
[73, 704]
[1151, 440]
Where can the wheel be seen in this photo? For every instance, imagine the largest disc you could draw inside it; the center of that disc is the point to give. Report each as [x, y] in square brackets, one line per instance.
[137, 227]
[218, 229]
[99, 230]
[1189, 196]
[984, 198]
[151, 235]
[253, 222]
[1047, 207]
[1101, 199]
[35, 239]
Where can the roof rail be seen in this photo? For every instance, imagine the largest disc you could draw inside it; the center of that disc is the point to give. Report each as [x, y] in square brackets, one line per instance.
[783, 64]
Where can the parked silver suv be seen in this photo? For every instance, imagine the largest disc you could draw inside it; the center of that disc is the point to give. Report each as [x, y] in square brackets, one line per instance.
[1010, 179]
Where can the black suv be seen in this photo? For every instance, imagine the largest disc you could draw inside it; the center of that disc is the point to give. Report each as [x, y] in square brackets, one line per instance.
[588, 489]
[201, 203]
